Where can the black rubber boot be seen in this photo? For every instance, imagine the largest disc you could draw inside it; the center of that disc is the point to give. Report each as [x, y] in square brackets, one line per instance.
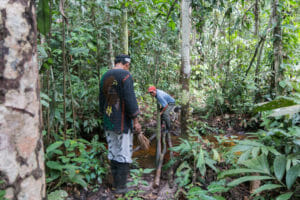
[113, 168]
[120, 179]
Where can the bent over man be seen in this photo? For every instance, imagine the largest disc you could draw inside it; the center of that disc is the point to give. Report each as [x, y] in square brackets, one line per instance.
[166, 101]
[119, 111]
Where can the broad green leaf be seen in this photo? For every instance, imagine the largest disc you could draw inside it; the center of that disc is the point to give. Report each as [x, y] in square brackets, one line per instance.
[219, 198]
[211, 164]
[196, 191]
[81, 160]
[255, 152]
[290, 110]
[183, 173]
[241, 148]
[2, 194]
[279, 166]
[64, 159]
[53, 175]
[70, 167]
[202, 170]
[200, 159]
[245, 156]
[54, 146]
[45, 103]
[43, 17]
[251, 143]
[266, 187]
[247, 178]
[277, 103]
[259, 163]
[147, 171]
[44, 96]
[265, 150]
[213, 188]
[285, 196]
[292, 175]
[57, 195]
[57, 151]
[54, 165]
[238, 171]
[273, 150]
[216, 155]
[288, 164]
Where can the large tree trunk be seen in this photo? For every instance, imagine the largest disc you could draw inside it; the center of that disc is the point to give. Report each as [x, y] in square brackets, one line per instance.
[185, 62]
[277, 49]
[21, 146]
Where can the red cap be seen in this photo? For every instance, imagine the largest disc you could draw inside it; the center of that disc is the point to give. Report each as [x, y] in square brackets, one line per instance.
[151, 88]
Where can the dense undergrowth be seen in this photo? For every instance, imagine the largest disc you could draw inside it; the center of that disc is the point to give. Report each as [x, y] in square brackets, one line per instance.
[232, 59]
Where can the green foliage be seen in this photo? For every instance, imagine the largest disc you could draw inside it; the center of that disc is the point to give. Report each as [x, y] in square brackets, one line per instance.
[136, 175]
[272, 156]
[75, 161]
[2, 192]
[43, 17]
[278, 103]
[212, 193]
[192, 150]
[222, 79]
[194, 158]
[58, 195]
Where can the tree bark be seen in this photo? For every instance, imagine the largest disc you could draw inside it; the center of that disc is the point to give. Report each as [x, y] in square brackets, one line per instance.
[48, 73]
[21, 145]
[277, 51]
[158, 136]
[124, 30]
[256, 16]
[110, 49]
[62, 2]
[185, 62]
[257, 69]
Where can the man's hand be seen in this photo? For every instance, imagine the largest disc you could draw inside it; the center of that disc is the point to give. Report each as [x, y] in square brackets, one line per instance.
[137, 126]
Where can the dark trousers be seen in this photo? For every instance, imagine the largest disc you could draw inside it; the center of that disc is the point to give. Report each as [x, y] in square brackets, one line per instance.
[166, 115]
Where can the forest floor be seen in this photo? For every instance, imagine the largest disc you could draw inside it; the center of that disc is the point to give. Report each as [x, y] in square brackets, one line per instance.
[227, 125]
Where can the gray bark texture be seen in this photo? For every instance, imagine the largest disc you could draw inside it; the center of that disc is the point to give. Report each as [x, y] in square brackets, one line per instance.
[124, 31]
[185, 60]
[277, 73]
[21, 147]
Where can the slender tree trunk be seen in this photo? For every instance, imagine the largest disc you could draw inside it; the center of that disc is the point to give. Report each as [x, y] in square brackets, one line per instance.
[256, 16]
[185, 62]
[97, 36]
[21, 144]
[257, 69]
[48, 73]
[72, 103]
[216, 36]
[255, 53]
[227, 72]
[124, 30]
[110, 49]
[64, 66]
[277, 50]
[158, 136]
[110, 41]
